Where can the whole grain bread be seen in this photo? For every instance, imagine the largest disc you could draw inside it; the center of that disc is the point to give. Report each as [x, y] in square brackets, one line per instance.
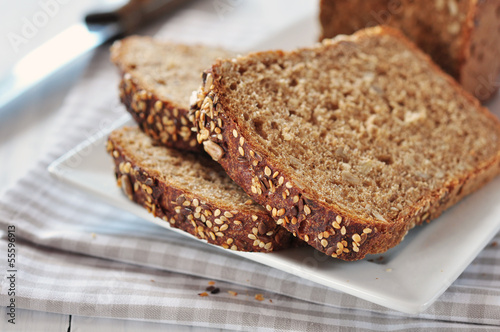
[348, 144]
[462, 36]
[192, 193]
[158, 78]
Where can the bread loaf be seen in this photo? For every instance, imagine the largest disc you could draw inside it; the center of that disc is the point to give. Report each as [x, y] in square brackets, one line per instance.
[192, 193]
[463, 37]
[348, 144]
[157, 81]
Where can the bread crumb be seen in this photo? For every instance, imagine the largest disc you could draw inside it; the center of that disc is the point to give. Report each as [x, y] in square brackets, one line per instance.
[93, 235]
[203, 294]
[211, 283]
[388, 270]
[494, 244]
[259, 297]
[232, 293]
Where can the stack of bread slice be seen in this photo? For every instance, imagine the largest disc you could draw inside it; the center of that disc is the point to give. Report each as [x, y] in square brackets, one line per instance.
[345, 145]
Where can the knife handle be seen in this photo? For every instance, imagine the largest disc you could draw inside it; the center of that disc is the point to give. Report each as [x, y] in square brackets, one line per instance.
[133, 14]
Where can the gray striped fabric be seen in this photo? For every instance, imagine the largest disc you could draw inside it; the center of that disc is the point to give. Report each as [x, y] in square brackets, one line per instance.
[80, 256]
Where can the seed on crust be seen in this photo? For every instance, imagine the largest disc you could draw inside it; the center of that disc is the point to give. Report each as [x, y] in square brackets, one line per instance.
[324, 243]
[288, 185]
[356, 238]
[343, 231]
[213, 149]
[241, 151]
[307, 210]
[267, 171]
[235, 133]
[306, 238]
[367, 230]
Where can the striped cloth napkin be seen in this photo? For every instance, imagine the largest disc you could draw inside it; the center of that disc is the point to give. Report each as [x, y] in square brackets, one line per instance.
[77, 255]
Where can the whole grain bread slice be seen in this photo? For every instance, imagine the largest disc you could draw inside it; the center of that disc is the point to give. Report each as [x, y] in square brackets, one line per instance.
[193, 193]
[158, 78]
[348, 144]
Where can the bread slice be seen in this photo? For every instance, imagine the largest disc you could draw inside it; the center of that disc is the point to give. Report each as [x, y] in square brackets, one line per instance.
[157, 81]
[348, 144]
[461, 36]
[192, 193]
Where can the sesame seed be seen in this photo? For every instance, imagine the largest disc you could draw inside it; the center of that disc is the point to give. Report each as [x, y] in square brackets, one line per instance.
[217, 213]
[269, 208]
[356, 237]
[252, 237]
[275, 174]
[326, 234]
[320, 236]
[280, 221]
[274, 212]
[269, 233]
[228, 214]
[235, 133]
[338, 219]
[186, 203]
[281, 180]
[209, 224]
[255, 230]
[219, 234]
[367, 230]
[116, 154]
[218, 221]
[294, 221]
[268, 246]
[355, 248]
[281, 212]
[343, 230]
[242, 140]
[241, 151]
[306, 238]
[229, 241]
[254, 189]
[335, 225]
[295, 198]
[177, 209]
[288, 185]
[307, 210]
[283, 194]
[324, 243]
[255, 163]
[212, 235]
[254, 217]
[224, 227]
[237, 222]
[196, 202]
[158, 105]
[267, 171]
[233, 247]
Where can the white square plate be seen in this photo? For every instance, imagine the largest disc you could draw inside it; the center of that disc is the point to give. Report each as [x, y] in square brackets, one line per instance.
[407, 278]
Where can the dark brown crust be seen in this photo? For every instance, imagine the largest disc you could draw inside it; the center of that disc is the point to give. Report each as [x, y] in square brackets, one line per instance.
[163, 121]
[218, 225]
[348, 237]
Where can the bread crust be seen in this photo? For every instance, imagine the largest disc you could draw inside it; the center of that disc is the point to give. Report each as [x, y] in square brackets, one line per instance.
[162, 120]
[220, 225]
[325, 227]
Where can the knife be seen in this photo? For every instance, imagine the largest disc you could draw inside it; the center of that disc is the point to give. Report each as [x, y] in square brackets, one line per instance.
[77, 40]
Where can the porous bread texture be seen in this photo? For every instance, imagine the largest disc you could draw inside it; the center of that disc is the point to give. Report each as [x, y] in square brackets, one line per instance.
[157, 80]
[348, 144]
[193, 193]
[462, 36]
